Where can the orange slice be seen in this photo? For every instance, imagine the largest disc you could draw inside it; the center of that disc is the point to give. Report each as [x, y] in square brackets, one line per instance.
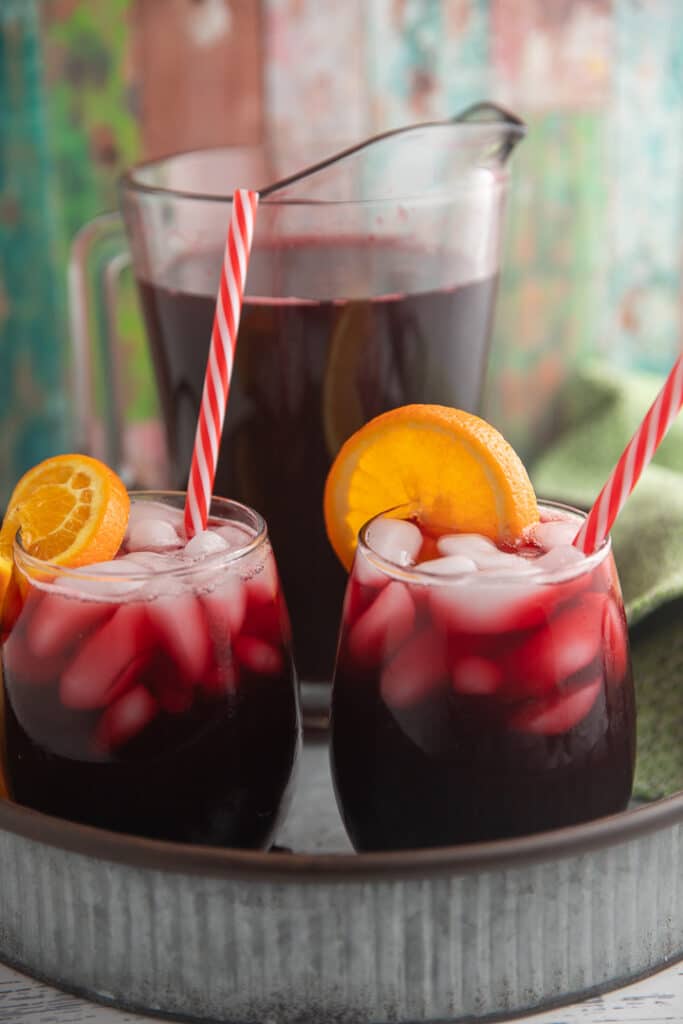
[454, 468]
[71, 509]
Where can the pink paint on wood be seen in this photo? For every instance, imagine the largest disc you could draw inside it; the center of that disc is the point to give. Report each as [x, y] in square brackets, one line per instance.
[550, 56]
[198, 65]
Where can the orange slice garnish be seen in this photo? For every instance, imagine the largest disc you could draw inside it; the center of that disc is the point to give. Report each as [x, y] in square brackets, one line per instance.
[72, 510]
[455, 469]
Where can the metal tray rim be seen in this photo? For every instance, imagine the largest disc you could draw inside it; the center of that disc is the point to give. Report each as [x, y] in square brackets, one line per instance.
[218, 862]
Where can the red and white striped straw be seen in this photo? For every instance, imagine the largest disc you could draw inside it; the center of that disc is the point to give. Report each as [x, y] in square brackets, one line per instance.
[632, 462]
[220, 362]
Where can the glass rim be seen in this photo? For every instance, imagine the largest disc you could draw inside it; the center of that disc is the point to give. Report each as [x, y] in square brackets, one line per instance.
[215, 560]
[412, 574]
[129, 180]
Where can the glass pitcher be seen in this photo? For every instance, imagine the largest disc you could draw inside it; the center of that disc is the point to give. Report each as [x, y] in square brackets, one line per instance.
[371, 284]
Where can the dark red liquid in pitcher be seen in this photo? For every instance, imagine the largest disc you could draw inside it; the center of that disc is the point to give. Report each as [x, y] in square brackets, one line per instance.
[308, 373]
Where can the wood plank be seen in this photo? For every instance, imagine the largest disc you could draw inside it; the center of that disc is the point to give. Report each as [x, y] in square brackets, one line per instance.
[199, 70]
[655, 1000]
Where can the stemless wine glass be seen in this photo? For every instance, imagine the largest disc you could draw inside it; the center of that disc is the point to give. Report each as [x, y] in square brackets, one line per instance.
[477, 704]
[156, 694]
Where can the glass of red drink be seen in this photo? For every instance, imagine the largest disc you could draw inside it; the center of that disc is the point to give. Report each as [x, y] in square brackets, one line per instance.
[371, 283]
[155, 694]
[479, 692]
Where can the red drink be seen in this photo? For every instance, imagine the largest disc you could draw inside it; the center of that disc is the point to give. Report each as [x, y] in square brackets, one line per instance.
[478, 693]
[311, 367]
[155, 694]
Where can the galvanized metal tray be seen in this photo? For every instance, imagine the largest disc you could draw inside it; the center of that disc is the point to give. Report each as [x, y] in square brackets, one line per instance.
[322, 934]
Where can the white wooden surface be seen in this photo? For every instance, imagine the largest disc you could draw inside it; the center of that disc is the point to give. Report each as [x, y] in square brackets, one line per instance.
[656, 1000]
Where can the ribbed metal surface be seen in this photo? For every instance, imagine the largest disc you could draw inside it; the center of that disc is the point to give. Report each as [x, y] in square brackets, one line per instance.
[401, 949]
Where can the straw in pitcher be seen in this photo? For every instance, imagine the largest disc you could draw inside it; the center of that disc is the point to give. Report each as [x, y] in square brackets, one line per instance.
[221, 360]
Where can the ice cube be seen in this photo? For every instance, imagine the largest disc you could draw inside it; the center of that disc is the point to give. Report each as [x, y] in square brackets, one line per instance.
[486, 607]
[167, 573]
[181, 625]
[130, 676]
[103, 580]
[508, 562]
[258, 656]
[482, 551]
[140, 510]
[18, 654]
[416, 670]
[356, 601]
[383, 625]
[469, 545]
[152, 535]
[558, 649]
[558, 558]
[225, 605]
[60, 622]
[91, 677]
[205, 543]
[557, 714]
[125, 718]
[503, 561]
[555, 532]
[150, 561]
[235, 536]
[448, 565]
[158, 569]
[476, 676]
[395, 539]
[531, 551]
[366, 573]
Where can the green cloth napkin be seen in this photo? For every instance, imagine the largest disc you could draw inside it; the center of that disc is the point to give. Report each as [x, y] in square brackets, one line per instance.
[600, 411]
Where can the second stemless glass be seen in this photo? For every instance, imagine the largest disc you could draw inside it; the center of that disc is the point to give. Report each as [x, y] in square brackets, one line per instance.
[162, 704]
[478, 707]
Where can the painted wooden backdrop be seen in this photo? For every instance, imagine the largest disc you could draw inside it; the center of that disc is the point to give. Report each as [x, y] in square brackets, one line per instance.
[593, 252]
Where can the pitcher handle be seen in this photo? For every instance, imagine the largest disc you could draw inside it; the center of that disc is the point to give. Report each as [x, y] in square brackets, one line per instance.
[99, 254]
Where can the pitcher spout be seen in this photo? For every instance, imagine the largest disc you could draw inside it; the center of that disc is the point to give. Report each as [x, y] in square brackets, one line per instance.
[507, 130]
[418, 161]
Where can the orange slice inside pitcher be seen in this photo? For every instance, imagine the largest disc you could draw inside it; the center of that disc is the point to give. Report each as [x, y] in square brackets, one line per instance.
[72, 510]
[455, 469]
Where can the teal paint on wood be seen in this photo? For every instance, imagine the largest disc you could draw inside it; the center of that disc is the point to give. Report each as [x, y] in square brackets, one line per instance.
[645, 179]
[426, 60]
[32, 334]
[552, 291]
